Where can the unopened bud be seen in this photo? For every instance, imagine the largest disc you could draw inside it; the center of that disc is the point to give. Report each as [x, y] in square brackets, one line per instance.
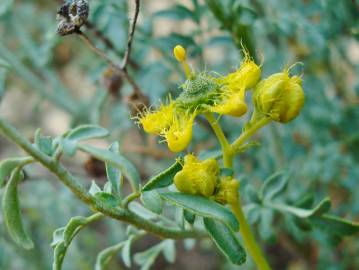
[180, 53]
[279, 97]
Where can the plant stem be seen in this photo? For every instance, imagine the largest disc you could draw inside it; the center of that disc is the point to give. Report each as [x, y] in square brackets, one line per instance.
[130, 198]
[130, 35]
[248, 238]
[123, 72]
[75, 186]
[245, 230]
[248, 133]
[226, 149]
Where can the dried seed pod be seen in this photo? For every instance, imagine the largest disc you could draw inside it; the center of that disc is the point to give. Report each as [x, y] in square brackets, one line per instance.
[65, 28]
[79, 11]
[71, 16]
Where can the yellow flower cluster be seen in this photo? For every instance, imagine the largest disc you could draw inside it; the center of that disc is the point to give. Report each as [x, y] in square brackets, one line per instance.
[279, 97]
[197, 177]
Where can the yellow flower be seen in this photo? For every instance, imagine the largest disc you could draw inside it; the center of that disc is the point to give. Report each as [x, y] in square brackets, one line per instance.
[279, 96]
[179, 133]
[157, 121]
[233, 105]
[234, 86]
[245, 77]
[197, 177]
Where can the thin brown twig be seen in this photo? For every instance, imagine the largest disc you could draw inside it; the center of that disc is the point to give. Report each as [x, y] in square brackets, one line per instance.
[131, 35]
[107, 42]
[120, 70]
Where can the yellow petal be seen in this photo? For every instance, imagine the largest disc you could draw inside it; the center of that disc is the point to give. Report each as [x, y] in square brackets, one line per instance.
[179, 135]
[233, 105]
[156, 122]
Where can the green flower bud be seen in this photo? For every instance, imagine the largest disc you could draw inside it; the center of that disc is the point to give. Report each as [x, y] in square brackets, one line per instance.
[227, 191]
[279, 97]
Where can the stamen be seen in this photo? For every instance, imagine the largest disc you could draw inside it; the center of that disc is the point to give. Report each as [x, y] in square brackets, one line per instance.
[180, 55]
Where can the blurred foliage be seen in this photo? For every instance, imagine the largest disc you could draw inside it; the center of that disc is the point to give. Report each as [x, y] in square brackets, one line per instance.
[320, 148]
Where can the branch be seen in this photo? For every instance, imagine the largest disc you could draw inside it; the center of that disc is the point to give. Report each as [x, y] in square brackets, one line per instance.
[123, 72]
[107, 42]
[75, 186]
[130, 36]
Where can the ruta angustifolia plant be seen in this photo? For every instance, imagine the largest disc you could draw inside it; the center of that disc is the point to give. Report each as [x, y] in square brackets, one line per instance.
[206, 191]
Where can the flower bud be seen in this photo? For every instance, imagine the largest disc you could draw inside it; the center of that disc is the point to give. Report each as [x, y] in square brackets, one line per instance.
[179, 53]
[197, 177]
[279, 96]
[227, 191]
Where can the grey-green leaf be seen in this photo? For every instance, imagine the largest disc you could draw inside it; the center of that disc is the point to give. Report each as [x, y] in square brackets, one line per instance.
[147, 258]
[126, 252]
[69, 146]
[335, 225]
[106, 255]
[169, 250]
[165, 178]
[59, 255]
[320, 209]
[113, 173]
[8, 165]
[152, 201]
[177, 12]
[63, 237]
[44, 143]
[202, 206]
[189, 216]
[274, 185]
[94, 188]
[225, 240]
[73, 227]
[86, 132]
[12, 214]
[57, 236]
[117, 160]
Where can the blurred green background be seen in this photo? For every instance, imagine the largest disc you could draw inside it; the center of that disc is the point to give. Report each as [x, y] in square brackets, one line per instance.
[56, 82]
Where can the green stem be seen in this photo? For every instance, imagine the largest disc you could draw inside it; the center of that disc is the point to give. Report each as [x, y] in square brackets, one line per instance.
[226, 148]
[249, 133]
[74, 185]
[248, 238]
[94, 217]
[130, 198]
[245, 230]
